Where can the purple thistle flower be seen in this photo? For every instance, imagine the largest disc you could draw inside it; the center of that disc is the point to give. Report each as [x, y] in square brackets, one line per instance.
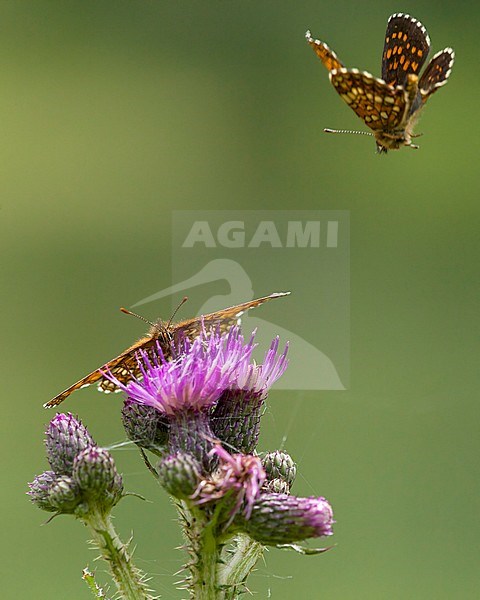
[260, 378]
[238, 475]
[198, 378]
[195, 378]
[184, 389]
[236, 417]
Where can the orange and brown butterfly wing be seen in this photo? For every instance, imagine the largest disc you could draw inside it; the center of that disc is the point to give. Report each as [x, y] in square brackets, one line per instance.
[223, 319]
[436, 74]
[125, 370]
[381, 106]
[124, 367]
[87, 380]
[406, 49]
[328, 57]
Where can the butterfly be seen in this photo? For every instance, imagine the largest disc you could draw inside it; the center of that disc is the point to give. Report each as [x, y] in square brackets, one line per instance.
[390, 106]
[124, 367]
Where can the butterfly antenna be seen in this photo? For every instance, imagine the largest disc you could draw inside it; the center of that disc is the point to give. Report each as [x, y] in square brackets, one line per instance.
[129, 312]
[184, 299]
[347, 131]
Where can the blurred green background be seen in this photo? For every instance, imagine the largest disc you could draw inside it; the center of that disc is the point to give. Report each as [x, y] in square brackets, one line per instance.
[113, 114]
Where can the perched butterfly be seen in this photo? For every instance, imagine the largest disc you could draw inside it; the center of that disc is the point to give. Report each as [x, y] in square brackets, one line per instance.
[125, 367]
[391, 105]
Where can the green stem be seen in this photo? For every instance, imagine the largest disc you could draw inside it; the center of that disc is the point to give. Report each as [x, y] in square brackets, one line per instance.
[204, 548]
[128, 579]
[205, 587]
[90, 580]
[214, 573]
[243, 558]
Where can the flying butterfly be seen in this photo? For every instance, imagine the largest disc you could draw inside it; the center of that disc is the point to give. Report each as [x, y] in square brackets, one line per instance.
[124, 367]
[390, 106]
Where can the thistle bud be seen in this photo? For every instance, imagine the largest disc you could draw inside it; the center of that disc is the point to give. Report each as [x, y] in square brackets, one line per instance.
[277, 486]
[66, 437]
[179, 474]
[95, 473]
[65, 494]
[283, 519]
[39, 491]
[280, 465]
[145, 426]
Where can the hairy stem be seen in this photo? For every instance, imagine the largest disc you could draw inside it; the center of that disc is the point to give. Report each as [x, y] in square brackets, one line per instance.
[215, 574]
[90, 580]
[204, 549]
[243, 558]
[128, 579]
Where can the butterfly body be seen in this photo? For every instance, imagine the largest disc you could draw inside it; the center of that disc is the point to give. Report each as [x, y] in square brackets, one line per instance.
[390, 106]
[391, 115]
[125, 366]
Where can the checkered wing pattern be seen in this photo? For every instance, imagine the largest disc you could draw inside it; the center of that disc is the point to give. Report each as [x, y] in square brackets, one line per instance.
[406, 49]
[223, 319]
[324, 53]
[380, 106]
[437, 72]
[127, 367]
[124, 367]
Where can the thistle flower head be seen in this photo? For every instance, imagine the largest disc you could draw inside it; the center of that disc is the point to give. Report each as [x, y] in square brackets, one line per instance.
[260, 378]
[239, 476]
[236, 417]
[195, 378]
